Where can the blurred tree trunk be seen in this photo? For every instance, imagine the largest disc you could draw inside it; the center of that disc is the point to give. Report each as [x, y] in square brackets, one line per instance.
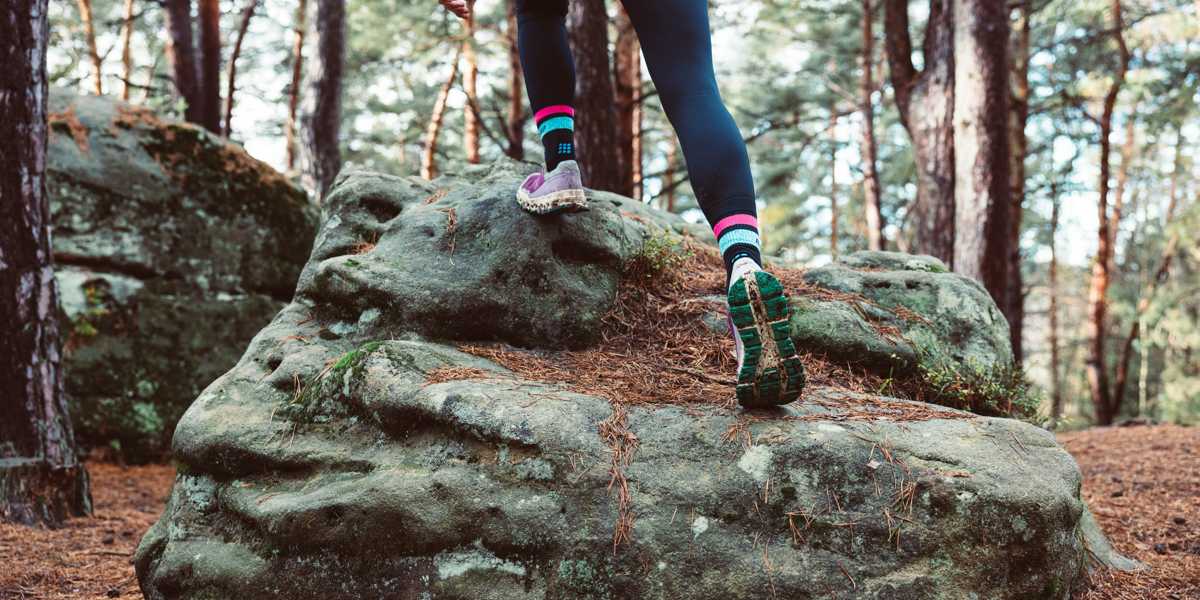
[925, 99]
[669, 174]
[627, 65]
[870, 151]
[981, 147]
[833, 182]
[210, 65]
[323, 114]
[1019, 115]
[126, 41]
[297, 81]
[1097, 370]
[429, 153]
[470, 81]
[181, 53]
[1128, 145]
[247, 14]
[1160, 278]
[1055, 352]
[89, 33]
[516, 90]
[41, 479]
[596, 139]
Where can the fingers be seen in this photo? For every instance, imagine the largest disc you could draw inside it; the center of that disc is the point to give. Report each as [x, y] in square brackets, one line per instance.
[458, 7]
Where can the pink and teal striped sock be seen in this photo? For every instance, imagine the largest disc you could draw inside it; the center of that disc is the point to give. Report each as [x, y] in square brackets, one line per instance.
[737, 237]
[556, 126]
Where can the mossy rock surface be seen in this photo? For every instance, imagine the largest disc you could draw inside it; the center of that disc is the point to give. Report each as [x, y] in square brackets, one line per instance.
[172, 248]
[356, 452]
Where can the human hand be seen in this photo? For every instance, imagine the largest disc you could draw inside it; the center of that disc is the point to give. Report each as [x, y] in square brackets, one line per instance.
[458, 7]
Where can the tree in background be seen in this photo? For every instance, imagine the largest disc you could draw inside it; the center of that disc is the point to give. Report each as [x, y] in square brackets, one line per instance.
[209, 87]
[322, 119]
[925, 99]
[981, 148]
[1018, 118]
[595, 136]
[289, 126]
[627, 68]
[471, 89]
[870, 149]
[181, 54]
[247, 14]
[41, 478]
[89, 32]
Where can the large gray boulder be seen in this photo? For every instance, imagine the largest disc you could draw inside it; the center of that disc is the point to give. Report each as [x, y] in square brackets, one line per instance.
[356, 452]
[172, 248]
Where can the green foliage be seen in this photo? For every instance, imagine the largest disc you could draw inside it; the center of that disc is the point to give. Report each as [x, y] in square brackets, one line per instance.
[659, 255]
[319, 400]
[986, 390]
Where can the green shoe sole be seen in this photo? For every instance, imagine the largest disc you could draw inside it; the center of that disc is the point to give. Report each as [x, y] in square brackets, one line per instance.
[771, 373]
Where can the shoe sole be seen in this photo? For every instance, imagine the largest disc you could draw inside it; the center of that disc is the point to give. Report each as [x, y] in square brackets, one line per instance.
[771, 373]
[557, 202]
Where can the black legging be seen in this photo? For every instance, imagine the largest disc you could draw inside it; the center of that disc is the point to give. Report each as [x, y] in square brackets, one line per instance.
[677, 45]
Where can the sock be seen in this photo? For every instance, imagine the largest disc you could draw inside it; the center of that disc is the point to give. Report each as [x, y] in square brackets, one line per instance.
[737, 237]
[556, 126]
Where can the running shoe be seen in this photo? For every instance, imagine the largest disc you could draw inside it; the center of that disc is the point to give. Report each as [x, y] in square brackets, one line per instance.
[769, 371]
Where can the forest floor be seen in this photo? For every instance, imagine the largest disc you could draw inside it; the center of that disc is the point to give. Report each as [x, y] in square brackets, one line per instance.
[1141, 482]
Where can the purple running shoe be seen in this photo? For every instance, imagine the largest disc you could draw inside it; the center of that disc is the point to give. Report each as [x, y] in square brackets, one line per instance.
[557, 191]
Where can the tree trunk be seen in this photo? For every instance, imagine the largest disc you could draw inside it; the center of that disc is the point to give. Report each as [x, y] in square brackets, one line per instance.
[981, 150]
[669, 174]
[470, 79]
[41, 479]
[1055, 359]
[596, 140]
[297, 81]
[322, 120]
[870, 152]
[1018, 115]
[1097, 370]
[210, 65]
[627, 65]
[926, 102]
[126, 41]
[516, 90]
[181, 53]
[833, 182]
[89, 33]
[1118, 204]
[247, 14]
[1160, 278]
[429, 154]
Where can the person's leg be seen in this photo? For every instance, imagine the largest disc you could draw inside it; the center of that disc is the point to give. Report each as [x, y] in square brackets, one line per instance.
[677, 44]
[549, 75]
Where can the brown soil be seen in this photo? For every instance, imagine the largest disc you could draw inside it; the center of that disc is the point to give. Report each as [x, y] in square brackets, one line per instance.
[1143, 485]
[88, 557]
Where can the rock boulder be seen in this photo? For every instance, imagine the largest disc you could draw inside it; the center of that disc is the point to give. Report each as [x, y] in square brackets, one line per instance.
[356, 451]
[172, 248]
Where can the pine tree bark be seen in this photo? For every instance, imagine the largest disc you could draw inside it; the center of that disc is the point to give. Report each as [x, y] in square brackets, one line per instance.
[41, 478]
[247, 14]
[210, 65]
[297, 80]
[433, 131]
[323, 117]
[1097, 369]
[516, 90]
[981, 149]
[1055, 348]
[181, 54]
[470, 85]
[870, 150]
[925, 99]
[89, 33]
[627, 64]
[126, 55]
[596, 140]
[1019, 115]
[669, 175]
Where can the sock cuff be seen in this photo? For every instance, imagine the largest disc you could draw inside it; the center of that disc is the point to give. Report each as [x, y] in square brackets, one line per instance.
[734, 237]
[555, 124]
[733, 221]
[550, 111]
